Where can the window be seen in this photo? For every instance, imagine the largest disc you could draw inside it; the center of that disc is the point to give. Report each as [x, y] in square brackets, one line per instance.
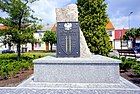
[35, 45]
[39, 44]
[110, 33]
[124, 43]
[40, 35]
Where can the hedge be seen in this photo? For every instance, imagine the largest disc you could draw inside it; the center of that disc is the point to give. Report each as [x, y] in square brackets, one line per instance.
[10, 66]
[128, 63]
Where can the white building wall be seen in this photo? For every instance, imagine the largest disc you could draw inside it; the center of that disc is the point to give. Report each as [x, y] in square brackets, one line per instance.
[29, 47]
[138, 40]
[40, 45]
[111, 37]
[129, 44]
[117, 45]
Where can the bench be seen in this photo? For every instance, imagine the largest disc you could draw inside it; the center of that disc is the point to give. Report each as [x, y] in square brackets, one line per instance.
[127, 52]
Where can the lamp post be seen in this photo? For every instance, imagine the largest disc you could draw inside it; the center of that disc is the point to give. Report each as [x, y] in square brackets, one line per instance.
[120, 33]
[129, 19]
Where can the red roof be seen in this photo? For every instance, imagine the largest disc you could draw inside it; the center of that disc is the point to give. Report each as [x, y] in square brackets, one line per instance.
[119, 33]
[2, 27]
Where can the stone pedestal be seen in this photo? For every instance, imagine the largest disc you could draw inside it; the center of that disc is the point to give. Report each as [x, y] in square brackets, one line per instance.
[97, 69]
[95, 75]
[74, 76]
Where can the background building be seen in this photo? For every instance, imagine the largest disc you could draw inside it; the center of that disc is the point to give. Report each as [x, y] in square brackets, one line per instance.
[116, 39]
[111, 32]
[119, 42]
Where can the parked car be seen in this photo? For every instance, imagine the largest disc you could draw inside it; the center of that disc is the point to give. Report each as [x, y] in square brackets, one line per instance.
[7, 51]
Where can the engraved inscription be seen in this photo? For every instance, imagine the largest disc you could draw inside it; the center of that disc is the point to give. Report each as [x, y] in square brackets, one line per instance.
[68, 39]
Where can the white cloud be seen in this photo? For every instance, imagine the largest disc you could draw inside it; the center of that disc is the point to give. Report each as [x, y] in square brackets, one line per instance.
[3, 14]
[121, 22]
[45, 9]
[118, 11]
[125, 21]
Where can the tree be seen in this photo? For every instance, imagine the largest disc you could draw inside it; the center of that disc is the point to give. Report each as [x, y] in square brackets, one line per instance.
[19, 18]
[132, 34]
[33, 28]
[7, 39]
[49, 37]
[93, 19]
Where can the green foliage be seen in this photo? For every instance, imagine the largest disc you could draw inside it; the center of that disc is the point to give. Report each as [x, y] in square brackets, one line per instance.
[132, 33]
[50, 37]
[127, 63]
[20, 21]
[136, 68]
[7, 56]
[115, 57]
[10, 66]
[93, 19]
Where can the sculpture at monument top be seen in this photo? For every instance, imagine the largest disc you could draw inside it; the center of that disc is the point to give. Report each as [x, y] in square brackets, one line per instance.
[70, 14]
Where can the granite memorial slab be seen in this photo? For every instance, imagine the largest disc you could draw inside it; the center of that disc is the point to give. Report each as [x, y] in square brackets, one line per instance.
[68, 39]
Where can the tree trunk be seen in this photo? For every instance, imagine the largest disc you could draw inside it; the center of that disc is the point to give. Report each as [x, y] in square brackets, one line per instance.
[47, 46]
[9, 46]
[18, 49]
[133, 42]
[32, 46]
[51, 46]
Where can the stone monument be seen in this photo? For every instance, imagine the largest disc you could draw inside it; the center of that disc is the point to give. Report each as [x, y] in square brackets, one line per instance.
[70, 14]
[74, 70]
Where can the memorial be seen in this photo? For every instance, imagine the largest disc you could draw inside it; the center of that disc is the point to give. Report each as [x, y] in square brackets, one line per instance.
[73, 70]
[68, 39]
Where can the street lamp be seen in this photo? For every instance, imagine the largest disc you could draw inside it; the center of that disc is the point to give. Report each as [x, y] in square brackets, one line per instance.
[120, 33]
[129, 19]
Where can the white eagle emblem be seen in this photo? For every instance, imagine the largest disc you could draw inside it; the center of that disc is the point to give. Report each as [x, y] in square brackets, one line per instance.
[68, 26]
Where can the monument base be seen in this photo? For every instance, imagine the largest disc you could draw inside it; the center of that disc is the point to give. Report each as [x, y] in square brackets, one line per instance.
[31, 87]
[96, 75]
[97, 69]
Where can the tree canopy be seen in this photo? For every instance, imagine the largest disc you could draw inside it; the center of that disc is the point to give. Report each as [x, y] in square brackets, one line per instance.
[19, 21]
[132, 33]
[93, 19]
[50, 37]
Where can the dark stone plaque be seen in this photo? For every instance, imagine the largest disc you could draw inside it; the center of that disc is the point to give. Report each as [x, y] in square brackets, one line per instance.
[68, 39]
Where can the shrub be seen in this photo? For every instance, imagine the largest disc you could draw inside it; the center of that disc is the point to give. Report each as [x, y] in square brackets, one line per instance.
[4, 72]
[115, 57]
[136, 68]
[10, 66]
[127, 63]
[8, 56]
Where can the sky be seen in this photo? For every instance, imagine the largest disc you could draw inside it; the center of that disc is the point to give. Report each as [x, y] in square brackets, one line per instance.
[118, 11]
